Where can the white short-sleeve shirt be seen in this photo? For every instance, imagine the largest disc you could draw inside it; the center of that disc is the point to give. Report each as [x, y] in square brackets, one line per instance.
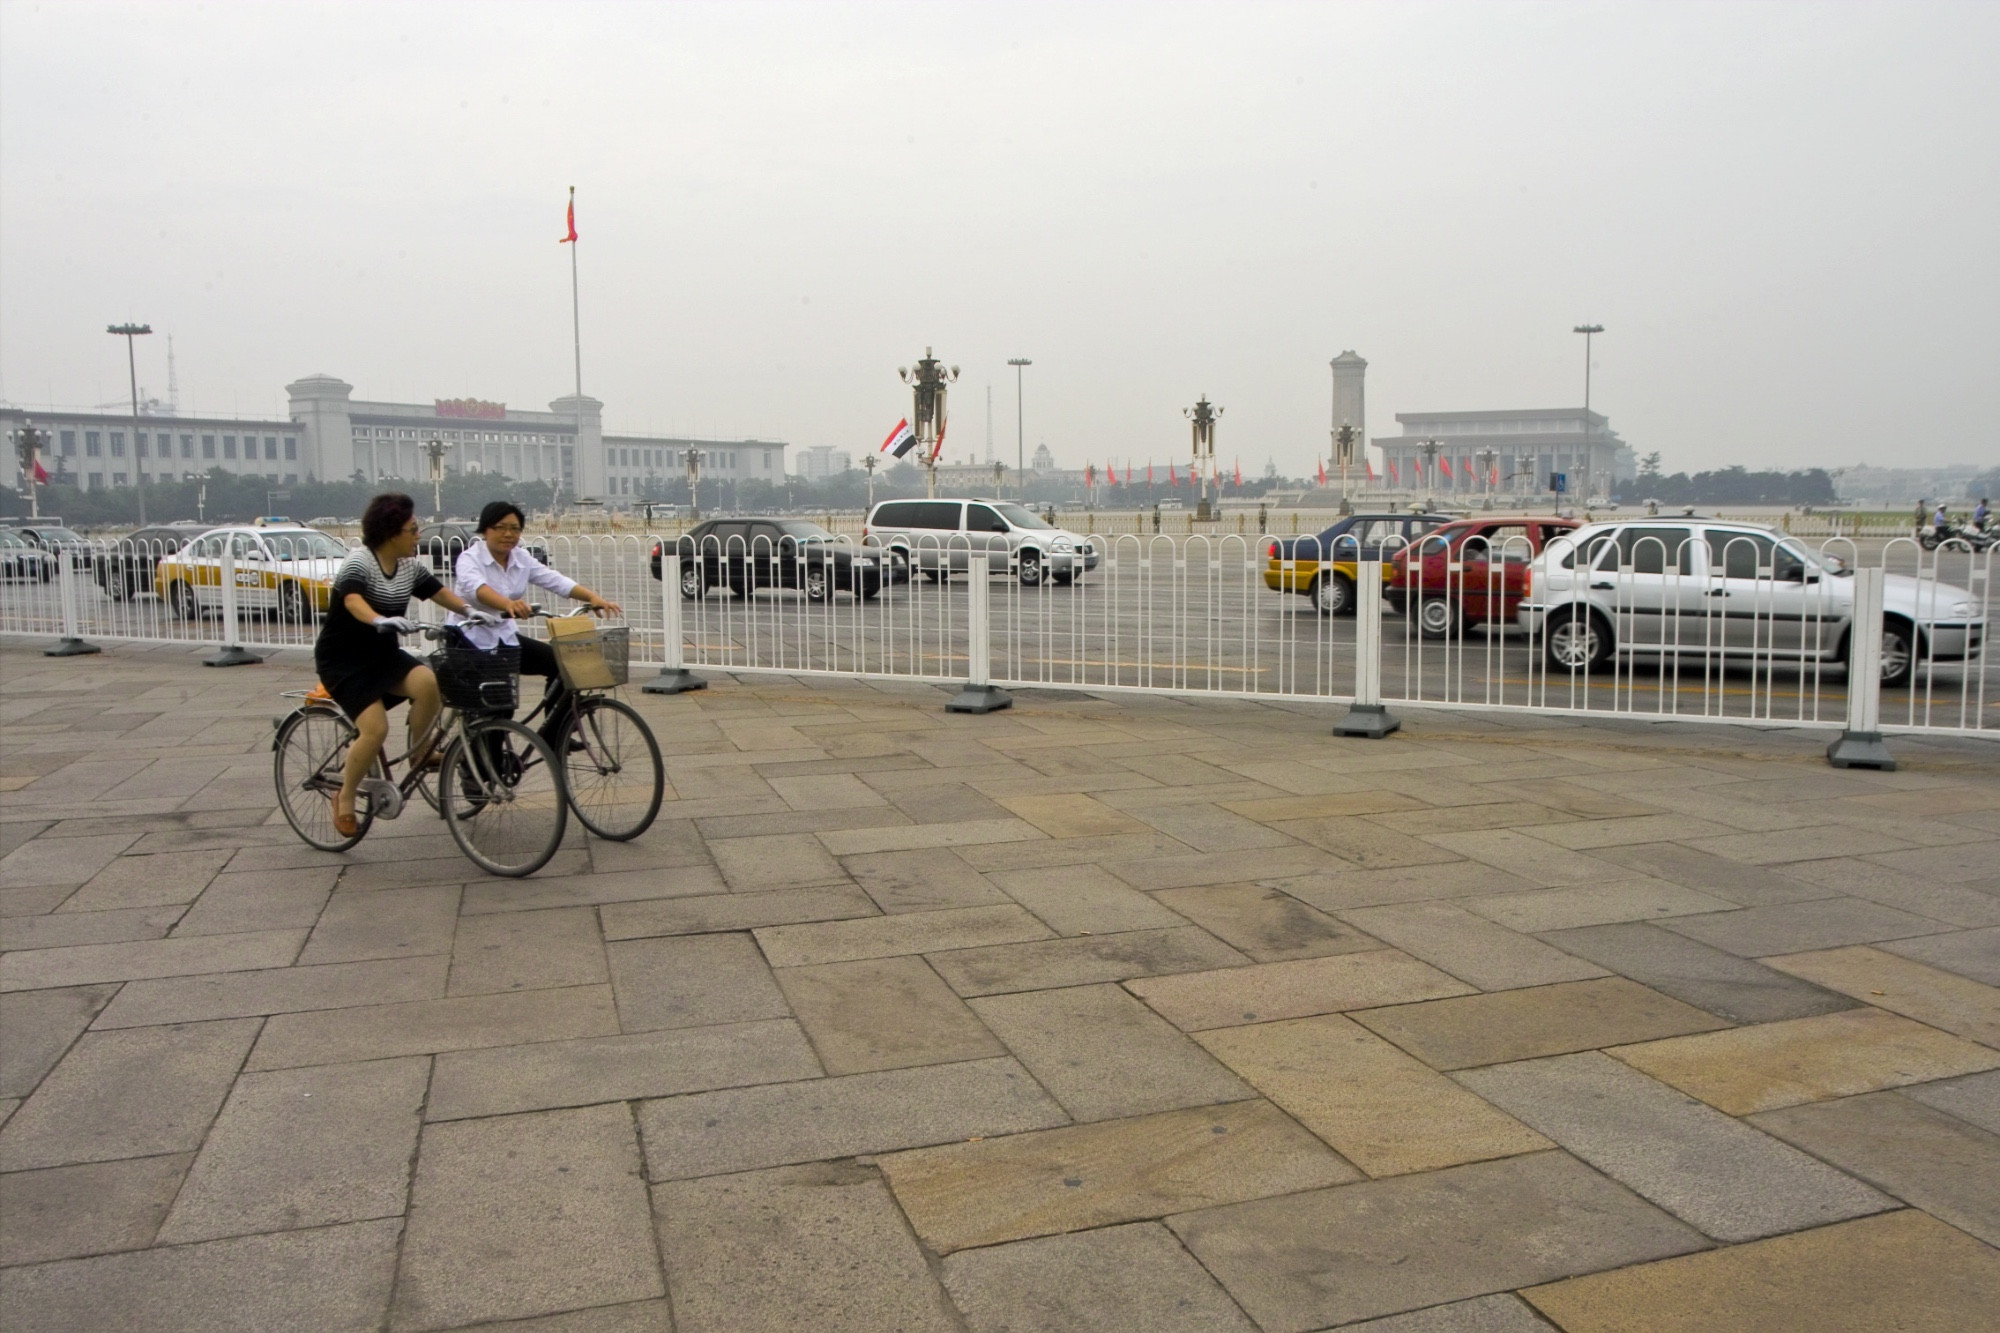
[477, 568]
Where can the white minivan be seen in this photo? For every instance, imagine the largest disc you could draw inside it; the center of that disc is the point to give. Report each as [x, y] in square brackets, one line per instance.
[938, 537]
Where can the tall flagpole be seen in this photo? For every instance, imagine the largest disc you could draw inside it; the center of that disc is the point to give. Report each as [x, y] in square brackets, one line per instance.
[576, 333]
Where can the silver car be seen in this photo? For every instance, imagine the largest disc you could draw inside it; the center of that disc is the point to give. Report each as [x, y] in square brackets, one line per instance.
[1695, 587]
[938, 537]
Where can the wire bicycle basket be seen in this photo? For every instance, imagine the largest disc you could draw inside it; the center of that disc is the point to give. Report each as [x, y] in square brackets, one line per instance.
[474, 678]
[592, 658]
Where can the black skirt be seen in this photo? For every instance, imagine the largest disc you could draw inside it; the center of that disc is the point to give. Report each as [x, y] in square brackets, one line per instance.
[358, 679]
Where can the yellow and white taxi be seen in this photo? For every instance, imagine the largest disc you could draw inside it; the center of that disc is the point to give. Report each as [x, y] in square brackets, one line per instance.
[286, 570]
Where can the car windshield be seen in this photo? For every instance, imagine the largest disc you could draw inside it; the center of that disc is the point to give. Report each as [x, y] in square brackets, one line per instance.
[9, 540]
[304, 544]
[60, 535]
[811, 532]
[1022, 517]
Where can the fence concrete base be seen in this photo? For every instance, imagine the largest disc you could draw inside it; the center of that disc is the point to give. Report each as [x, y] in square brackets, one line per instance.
[1372, 721]
[673, 680]
[71, 648]
[980, 699]
[231, 654]
[1861, 749]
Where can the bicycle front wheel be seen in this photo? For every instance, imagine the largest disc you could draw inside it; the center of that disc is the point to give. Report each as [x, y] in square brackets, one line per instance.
[501, 791]
[613, 769]
[310, 748]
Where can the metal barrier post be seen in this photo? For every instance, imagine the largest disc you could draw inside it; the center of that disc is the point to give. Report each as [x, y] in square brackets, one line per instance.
[1861, 745]
[1367, 717]
[980, 695]
[71, 643]
[232, 652]
[674, 677]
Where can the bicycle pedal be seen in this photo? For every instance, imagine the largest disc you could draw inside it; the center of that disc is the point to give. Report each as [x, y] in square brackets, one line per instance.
[384, 797]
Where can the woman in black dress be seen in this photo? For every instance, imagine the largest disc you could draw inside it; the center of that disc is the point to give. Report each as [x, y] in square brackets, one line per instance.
[360, 662]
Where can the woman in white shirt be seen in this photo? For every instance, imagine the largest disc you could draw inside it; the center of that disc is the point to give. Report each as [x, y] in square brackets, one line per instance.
[496, 574]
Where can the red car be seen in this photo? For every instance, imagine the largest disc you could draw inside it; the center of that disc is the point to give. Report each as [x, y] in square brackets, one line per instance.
[1468, 572]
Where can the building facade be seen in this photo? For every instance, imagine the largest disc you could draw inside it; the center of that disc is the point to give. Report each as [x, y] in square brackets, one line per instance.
[331, 436]
[1512, 452]
[817, 462]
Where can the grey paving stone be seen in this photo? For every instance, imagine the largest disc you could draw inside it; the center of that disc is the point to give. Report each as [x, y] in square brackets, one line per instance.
[65, 1212]
[149, 881]
[330, 1280]
[781, 861]
[261, 900]
[547, 1074]
[83, 964]
[1334, 1256]
[908, 837]
[138, 1093]
[61, 861]
[1504, 1026]
[526, 951]
[548, 889]
[1938, 1162]
[1745, 885]
[818, 1246]
[903, 933]
[1103, 1054]
[1911, 888]
[636, 1317]
[1042, 964]
[1526, 856]
[1774, 846]
[304, 1148]
[1084, 900]
[1970, 953]
[1722, 983]
[1594, 904]
[925, 880]
[1482, 1314]
[1469, 947]
[1193, 1001]
[1106, 850]
[1350, 887]
[384, 923]
[1758, 932]
[692, 981]
[421, 1027]
[34, 899]
[743, 1129]
[275, 991]
[37, 1027]
[1265, 923]
[1973, 1098]
[883, 1013]
[1706, 1168]
[55, 930]
[526, 1215]
[1125, 1279]
[717, 912]
[1340, 839]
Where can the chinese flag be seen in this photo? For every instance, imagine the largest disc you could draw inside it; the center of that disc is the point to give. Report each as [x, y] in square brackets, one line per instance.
[1110, 474]
[1149, 472]
[41, 474]
[1239, 472]
[1395, 477]
[572, 218]
[1322, 472]
[1444, 465]
[1369, 464]
[1173, 478]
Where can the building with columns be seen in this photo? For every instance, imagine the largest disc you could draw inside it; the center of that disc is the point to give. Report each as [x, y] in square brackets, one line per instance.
[1527, 444]
[329, 435]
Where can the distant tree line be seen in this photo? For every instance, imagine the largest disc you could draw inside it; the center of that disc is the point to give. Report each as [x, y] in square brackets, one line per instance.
[224, 497]
[1729, 486]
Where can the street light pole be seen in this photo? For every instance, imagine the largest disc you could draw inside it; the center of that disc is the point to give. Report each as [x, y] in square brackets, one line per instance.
[1588, 331]
[929, 382]
[1203, 415]
[868, 464]
[694, 482]
[128, 332]
[1430, 450]
[1487, 458]
[1020, 430]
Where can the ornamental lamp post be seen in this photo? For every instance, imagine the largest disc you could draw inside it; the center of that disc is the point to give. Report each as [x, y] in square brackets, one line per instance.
[1203, 415]
[1488, 457]
[434, 451]
[999, 474]
[693, 460]
[868, 465]
[1343, 452]
[1430, 449]
[28, 443]
[929, 381]
[1588, 331]
[128, 332]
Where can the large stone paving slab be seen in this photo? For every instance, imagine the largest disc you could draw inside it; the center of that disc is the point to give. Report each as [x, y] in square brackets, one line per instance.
[1738, 989]
[1334, 1256]
[692, 981]
[992, 1190]
[67, 1212]
[37, 1027]
[1912, 989]
[883, 1013]
[1227, 996]
[903, 933]
[1122, 1279]
[1468, 946]
[1902, 1270]
[1541, 1020]
[1043, 964]
[1974, 1098]
[1756, 932]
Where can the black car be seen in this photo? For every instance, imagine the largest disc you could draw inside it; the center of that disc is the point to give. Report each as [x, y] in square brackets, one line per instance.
[441, 543]
[55, 537]
[744, 554]
[20, 560]
[126, 570]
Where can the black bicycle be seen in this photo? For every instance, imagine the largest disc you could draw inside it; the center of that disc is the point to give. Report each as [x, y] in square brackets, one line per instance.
[611, 761]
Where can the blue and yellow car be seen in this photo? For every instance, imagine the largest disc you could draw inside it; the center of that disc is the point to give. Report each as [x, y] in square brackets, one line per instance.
[1324, 565]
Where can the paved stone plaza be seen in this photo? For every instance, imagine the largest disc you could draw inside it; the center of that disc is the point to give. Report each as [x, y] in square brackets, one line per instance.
[1132, 1014]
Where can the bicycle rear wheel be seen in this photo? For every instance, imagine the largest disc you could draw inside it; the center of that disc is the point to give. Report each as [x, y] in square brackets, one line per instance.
[310, 748]
[613, 769]
[501, 791]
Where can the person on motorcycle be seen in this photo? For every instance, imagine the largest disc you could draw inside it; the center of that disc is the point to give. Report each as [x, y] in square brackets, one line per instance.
[1941, 521]
[1981, 515]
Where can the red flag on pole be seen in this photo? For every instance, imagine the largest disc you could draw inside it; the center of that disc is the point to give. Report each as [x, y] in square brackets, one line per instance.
[1395, 476]
[41, 473]
[1149, 472]
[1173, 478]
[1496, 474]
[1111, 474]
[1322, 472]
[1444, 465]
[1239, 472]
[1369, 464]
[572, 218]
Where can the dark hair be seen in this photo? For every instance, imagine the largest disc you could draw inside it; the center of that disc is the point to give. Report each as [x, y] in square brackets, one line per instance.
[499, 509]
[385, 517]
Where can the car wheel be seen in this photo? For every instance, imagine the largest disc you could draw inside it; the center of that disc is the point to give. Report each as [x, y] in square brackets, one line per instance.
[815, 583]
[1577, 641]
[692, 586]
[293, 608]
[1899, 652]
[1031, 569]
[1332, 594]
[1438, 618]
[870, 589]
[182, 598]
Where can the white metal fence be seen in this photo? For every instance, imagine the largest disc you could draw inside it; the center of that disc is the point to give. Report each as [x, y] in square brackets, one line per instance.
[1706, 626]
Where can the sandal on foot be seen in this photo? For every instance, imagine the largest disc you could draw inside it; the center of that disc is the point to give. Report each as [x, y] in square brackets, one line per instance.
[347, 826]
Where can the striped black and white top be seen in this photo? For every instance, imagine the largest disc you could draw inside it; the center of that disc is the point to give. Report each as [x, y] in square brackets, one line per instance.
[388, 594]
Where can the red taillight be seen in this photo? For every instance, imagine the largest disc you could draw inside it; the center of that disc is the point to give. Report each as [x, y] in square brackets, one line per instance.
[864, 532]
[1272, 551]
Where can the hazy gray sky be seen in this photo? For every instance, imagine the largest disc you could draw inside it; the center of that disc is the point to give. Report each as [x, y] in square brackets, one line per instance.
[1784, 214]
